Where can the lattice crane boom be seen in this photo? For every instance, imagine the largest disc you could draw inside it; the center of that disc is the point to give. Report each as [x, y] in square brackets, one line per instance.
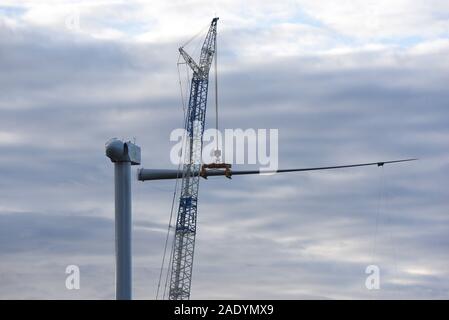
[185, 231]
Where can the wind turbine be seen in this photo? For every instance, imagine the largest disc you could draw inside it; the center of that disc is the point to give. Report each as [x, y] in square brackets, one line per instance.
[125, 154]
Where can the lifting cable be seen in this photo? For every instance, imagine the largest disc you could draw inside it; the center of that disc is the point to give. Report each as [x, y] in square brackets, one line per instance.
[216, 99]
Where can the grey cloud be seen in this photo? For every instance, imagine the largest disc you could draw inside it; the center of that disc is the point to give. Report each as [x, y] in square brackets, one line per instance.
[287, 236]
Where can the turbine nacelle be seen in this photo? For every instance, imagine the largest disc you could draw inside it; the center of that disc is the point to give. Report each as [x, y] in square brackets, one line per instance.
[119, 151]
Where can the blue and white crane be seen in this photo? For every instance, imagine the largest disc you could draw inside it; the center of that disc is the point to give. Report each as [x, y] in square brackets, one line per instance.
[125, 154]
[185, 230]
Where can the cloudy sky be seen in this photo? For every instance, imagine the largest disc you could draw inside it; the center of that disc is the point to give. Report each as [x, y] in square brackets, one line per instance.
[344, 82]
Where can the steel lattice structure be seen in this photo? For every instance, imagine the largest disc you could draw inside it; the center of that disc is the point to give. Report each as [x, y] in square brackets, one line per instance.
[185, 232]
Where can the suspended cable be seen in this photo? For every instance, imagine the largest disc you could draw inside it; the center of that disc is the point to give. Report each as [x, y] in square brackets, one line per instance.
[378, 212]
[177, 179]
[170, 225]
[388, 217]
[217, 151]
[188, 76]
[168, 271]
[180, 83]
[183, 101]
[195, 36]
[166, 238]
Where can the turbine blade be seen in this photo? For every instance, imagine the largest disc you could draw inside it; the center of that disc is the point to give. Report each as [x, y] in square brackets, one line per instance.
[162, 174]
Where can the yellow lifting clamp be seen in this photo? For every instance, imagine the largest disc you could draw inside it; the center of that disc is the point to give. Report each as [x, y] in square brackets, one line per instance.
[215, 166]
